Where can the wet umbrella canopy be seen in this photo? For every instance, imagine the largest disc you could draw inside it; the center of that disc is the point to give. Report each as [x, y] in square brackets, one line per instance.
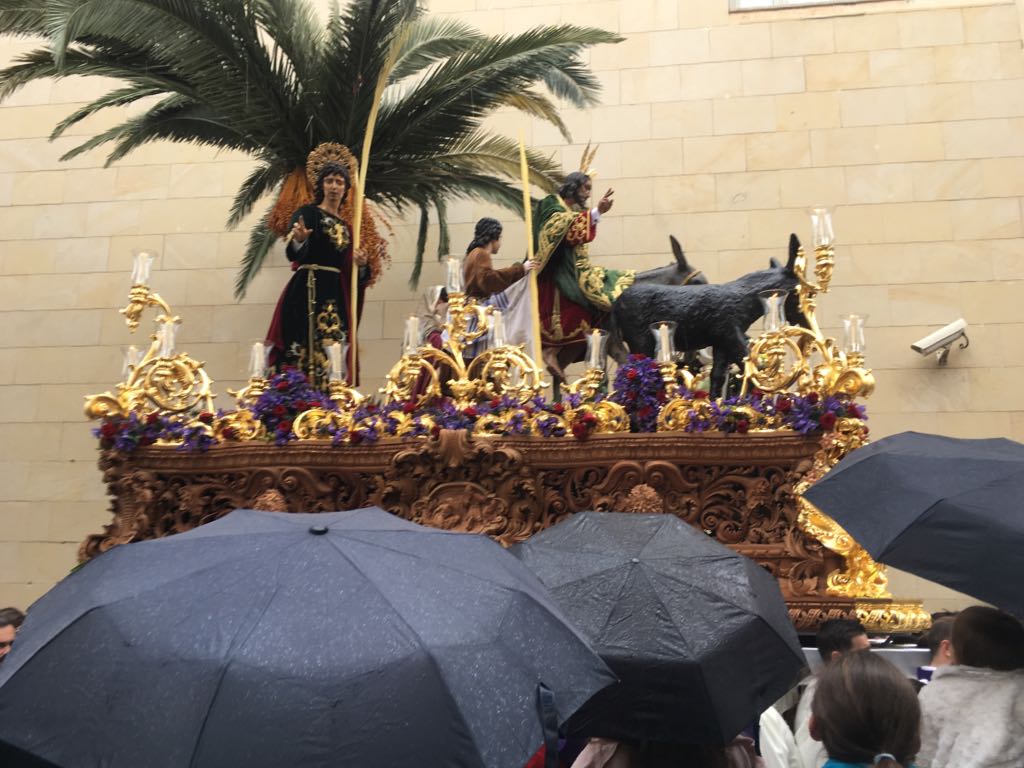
[698, 634]
[943, 508]
[266, 639]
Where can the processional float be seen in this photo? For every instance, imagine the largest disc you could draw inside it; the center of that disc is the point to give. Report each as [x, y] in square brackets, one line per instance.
[471, 443]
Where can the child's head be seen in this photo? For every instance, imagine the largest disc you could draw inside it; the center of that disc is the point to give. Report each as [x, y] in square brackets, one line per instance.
[987, 637]
[865, 711]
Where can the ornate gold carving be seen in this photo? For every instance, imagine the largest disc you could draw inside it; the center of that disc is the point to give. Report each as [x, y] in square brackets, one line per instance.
[505, 371]
[863, 577]
[161, 382]
[738, 490]
[893, 616]
[642, 500]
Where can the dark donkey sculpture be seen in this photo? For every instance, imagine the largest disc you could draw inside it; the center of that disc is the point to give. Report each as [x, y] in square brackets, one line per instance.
[716, 316]
[678, 274]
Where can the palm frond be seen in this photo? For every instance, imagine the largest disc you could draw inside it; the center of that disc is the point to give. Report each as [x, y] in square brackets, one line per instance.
[432, 40]
[21, 18]
[268, 78]
[262, 179]
[421, 247]
[260, 241]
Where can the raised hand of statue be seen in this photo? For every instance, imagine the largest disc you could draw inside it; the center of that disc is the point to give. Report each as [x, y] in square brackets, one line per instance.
[299, 231]
[530, 264]
[361, 257]
[605, 203]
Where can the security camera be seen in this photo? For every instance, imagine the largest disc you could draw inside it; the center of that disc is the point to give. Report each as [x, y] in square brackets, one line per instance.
[940, 341]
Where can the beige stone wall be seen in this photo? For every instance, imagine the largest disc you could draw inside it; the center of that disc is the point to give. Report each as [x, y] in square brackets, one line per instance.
[720, 128]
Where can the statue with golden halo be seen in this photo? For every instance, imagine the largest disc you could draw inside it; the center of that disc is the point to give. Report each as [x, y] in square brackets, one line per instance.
[315, 308]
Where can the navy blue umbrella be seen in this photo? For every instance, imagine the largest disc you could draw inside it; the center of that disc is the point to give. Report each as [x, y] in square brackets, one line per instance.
[946, 509]
[698, 634]
[268, 639]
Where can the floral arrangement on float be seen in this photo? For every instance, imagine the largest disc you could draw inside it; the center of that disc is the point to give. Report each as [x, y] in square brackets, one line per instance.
[795, 379]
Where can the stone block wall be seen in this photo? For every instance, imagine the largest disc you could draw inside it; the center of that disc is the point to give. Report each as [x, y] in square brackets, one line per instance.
[719, 128]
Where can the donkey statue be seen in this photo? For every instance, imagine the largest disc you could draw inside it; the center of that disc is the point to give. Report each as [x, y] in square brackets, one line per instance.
[679, 274]
[716, 316]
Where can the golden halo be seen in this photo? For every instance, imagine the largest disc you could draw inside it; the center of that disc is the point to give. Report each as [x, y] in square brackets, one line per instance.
[327, 152]
[585, 161]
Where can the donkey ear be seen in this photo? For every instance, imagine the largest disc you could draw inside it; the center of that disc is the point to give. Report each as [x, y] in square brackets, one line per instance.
[677, 251]
[774, 263]
[794, 246]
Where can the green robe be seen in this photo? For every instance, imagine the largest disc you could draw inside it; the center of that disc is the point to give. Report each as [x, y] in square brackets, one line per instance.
[560, 237]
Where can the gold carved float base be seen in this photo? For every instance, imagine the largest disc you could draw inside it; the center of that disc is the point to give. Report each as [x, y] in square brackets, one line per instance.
[738, 489]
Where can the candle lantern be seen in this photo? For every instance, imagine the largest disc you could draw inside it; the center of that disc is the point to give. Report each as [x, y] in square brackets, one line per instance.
[664, 341]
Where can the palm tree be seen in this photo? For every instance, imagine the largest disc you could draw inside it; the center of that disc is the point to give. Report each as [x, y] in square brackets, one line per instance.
[272, 79]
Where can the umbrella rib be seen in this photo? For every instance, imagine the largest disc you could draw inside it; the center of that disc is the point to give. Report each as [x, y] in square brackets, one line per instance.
[224, 672]
[423, 646]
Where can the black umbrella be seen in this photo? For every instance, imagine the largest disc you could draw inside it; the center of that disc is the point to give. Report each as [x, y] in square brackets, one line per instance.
[946, 509]
[698, 634]
[266, 639]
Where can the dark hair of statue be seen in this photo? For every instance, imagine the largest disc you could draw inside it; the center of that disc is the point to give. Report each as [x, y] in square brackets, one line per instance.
[330, 168]
[571, 185]
[988, 637]
[12, 616]
[486, 231]
[837, 635]
[864, 707]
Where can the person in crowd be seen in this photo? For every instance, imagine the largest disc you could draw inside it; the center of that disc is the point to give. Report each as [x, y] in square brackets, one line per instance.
[835, 638]
[973, 709]
[938, 641]
[315, 307]
[7, 632]
[866, 713]
[776, 741]
[13, 615]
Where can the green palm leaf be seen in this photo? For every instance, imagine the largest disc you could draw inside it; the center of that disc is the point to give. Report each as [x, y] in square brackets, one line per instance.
[272, 79]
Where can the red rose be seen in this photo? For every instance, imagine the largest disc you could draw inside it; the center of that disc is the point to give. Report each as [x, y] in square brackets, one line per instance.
[108, 430]
[644, 412]
[495, 402]
[742, 426]
[852, 412]
[784, 405]
[301, 405]
[662, 396]
[580, 431]
[756, 394]
[282, 386]
[409, 406]
[153, 418]
[813, 398]
[636, 356]
[284, 426]
[589, 419]
[206, 417]
[371, 409]
[700, 394]
[528, 410]
[280, 410]
[230, 433]
[355, 438]
[558, 408]
[631, 374]
[828, 420]
[866, 430]
[435, 431]
[470, 412]
[146, 440]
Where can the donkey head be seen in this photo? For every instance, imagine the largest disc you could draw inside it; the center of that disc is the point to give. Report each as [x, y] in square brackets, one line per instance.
[683, 273]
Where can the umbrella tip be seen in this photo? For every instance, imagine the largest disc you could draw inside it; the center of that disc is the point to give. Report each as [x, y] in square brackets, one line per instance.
[318, 530]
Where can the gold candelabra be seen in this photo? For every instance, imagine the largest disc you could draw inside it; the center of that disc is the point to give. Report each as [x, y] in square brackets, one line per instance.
[425, 373]
[162, 381]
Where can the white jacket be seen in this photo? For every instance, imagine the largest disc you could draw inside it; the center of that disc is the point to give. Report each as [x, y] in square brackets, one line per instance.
[972, 718]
